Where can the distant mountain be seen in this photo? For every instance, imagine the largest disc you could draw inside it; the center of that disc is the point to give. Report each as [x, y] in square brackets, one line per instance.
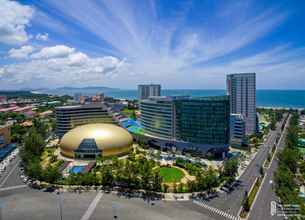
[89, 90]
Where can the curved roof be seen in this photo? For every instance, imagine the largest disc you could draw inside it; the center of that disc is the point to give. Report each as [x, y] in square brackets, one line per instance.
[106, 136]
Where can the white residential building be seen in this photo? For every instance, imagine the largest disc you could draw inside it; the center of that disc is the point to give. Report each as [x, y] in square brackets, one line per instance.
[149, 90]
[241, 88]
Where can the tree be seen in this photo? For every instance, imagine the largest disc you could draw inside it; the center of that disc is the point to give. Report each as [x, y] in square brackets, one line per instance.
[157, 182]
[272, 125]
[191, 186]
[180, 188]
[17, 133]
[211, 180]
[40, 126]
[34, 143]
[230, 168]
[107, 177]
[289, 158]
[175, 187]
[33, 168]
[51, 174]
[165, 188]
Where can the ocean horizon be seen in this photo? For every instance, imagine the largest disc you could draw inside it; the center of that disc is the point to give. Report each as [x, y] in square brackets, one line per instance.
[264, 97]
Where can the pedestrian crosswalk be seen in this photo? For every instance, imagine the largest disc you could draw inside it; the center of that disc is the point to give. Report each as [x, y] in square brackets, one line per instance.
[216, 211]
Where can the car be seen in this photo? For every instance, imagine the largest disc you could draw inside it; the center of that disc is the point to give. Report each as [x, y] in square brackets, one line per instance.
[49, 189]
[225, 189]
[212, 195]
[236, 183]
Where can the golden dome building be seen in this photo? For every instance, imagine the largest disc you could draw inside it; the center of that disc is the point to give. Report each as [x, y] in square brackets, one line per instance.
[91, 140]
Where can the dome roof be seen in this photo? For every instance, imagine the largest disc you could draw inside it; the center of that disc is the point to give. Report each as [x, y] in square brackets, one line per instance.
[106, 136]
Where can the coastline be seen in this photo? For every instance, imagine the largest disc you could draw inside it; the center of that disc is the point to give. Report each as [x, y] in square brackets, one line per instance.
[282, 99]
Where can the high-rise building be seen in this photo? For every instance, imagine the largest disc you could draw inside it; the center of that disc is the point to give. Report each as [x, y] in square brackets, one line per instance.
[241, 88]
[149, 90]
[68, 117]
[203, 120]
[200, 124]
[157, 117]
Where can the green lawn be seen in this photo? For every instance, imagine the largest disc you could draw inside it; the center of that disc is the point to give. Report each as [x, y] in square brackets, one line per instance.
[128, 112]
[171, 174]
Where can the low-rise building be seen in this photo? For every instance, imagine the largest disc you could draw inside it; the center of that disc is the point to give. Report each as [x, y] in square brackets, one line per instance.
[237, 130]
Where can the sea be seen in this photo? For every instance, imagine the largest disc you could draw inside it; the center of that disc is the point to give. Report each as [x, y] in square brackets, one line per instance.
[264, 98]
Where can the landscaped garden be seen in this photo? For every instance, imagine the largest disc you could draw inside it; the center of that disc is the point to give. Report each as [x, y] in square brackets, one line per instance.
[137, 170]
[171, 174]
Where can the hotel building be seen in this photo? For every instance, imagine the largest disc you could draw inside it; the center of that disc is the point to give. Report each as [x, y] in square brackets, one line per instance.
[157, 117]
[68, 117]
[241, 88]
[200, 124]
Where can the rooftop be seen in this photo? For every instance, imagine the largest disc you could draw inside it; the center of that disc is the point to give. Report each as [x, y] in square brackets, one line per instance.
[87, 106]
[185, 98]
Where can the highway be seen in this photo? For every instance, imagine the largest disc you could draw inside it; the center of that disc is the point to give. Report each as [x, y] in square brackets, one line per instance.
[261, 207]
[231, 202]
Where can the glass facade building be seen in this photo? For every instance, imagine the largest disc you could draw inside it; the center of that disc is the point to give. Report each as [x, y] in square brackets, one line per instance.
[203, 120]
[197, 123]
[157, 117]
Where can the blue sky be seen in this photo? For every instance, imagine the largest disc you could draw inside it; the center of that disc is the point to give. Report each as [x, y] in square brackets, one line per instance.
[180, 44]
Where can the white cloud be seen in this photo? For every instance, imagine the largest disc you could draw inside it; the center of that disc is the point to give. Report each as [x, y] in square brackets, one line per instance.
[78, 59]
[20, 53]
[60, 65]
[43, 37]
[52, 52]
[157, 47]
[14, 19]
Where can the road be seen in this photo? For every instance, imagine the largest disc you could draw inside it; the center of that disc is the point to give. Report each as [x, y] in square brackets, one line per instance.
[231, 202]
[261, 207]
[11, 175]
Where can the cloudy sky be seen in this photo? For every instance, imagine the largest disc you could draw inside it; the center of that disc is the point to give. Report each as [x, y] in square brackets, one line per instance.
[180, 44]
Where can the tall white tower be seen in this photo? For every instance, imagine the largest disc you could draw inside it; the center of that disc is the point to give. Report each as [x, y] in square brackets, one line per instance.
[241, 87]
[146, 91]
